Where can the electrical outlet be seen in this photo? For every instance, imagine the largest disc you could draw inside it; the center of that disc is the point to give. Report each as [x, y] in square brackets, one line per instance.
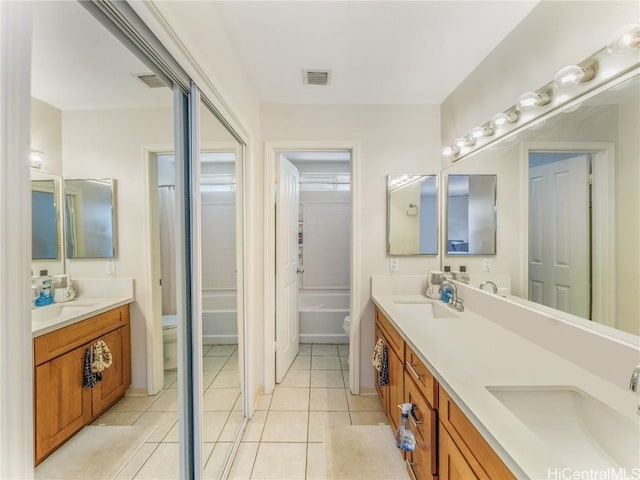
[394, 264]
[486, 265]
[111, 267]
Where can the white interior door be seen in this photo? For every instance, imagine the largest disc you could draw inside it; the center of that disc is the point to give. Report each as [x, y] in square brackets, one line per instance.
[559, 246]
[287, 205]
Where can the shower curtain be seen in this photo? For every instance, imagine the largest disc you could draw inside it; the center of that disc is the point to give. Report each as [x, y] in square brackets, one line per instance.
[167, 210]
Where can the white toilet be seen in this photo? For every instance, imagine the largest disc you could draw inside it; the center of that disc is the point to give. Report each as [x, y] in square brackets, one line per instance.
[170, 341]
[346, 325]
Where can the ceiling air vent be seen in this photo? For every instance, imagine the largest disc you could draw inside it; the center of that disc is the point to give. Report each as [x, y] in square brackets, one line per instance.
[316, 77]
[150, 80]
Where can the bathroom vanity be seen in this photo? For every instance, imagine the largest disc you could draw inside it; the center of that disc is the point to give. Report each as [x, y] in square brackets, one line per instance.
[491, 401]
[446, 449]
[62, 334]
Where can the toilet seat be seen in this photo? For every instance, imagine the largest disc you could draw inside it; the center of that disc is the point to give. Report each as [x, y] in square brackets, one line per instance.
[346, 325]
[169, 321]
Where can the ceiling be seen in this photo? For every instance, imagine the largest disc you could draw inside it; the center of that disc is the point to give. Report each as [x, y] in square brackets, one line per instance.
[78, 64]
[380, 52]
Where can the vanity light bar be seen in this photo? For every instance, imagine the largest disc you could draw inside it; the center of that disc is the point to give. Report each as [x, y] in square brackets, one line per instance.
[568, 84]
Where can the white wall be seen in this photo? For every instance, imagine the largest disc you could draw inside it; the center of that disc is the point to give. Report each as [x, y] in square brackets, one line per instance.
[392, 139]
[553, 35]
[46, 135]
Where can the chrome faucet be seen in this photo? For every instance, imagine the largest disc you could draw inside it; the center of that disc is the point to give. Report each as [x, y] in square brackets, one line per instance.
[493, 286]
[454, 301]
[634, 383]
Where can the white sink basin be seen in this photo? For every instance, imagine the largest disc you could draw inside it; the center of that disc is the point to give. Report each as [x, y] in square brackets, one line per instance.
[581, 430]
[425, 308]
[59, 310]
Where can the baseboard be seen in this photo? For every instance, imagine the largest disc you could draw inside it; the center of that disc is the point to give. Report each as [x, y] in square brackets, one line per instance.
[368, 391]
[136, 392]
[219, 339]
[340, 338]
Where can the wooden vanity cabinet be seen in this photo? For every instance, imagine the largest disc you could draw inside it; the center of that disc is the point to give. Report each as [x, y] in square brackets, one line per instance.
[391, 395]
[464, 449]
[420, 388]
[62, 405]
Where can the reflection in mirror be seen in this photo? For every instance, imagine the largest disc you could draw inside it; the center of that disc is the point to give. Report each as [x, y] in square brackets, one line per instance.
[471, 214]
[565, 255]
[221, 283]
[46, 224]
[45, 242]
[412, 214]
[90, 218]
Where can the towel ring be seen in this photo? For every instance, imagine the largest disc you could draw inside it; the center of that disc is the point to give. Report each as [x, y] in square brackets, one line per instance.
[412, 210]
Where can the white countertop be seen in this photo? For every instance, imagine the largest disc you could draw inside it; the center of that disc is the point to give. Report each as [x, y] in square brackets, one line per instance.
[94, 296]
[47, 319]
[469, 353]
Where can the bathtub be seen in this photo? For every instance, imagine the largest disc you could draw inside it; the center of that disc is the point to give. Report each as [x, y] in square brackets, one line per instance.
[219, 318]
[321, 314]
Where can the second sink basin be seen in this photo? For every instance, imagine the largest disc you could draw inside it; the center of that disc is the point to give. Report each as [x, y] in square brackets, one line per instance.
[425, 307]
[581, 430]
[59, 310]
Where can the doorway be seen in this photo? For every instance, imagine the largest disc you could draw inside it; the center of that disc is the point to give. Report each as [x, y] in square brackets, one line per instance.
[311, 277]
[571, 229]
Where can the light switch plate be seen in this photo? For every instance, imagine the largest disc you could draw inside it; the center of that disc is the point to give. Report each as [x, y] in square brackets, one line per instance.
[394, 264]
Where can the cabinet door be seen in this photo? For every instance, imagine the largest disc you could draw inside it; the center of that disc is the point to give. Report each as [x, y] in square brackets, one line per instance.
[396, 387]
[423, 424]
[116, 378]
[452, 464]
[62, 404]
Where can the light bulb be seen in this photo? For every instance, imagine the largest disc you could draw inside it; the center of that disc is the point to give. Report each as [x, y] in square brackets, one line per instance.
[573, 75]
[477, 132]
[530, 100]
[499, 120]
[626, 40]
[450, 151]
[36, 159]
[460, 143]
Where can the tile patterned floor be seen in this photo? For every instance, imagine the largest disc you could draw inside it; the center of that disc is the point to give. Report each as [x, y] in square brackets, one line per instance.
[286, 426]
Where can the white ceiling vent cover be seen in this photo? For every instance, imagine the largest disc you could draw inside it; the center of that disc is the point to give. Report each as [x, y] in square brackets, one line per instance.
[150, 80]
[316, 77]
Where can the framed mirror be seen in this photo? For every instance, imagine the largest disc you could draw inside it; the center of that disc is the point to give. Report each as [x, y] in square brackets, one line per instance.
[90, 218]
[412, 214]
[576, 255]
[46, 223]
[471, 214]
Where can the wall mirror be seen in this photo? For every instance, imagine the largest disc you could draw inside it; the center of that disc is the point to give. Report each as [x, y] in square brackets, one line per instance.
[46, 226]
[471, 214]
[568, 223]
[90, 218]
[412, 214]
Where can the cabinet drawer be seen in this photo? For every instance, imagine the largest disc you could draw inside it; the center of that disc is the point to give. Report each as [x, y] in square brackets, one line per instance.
[394, 340]
[423, 423]
[422, 376]
[66, 339]
[481, 457]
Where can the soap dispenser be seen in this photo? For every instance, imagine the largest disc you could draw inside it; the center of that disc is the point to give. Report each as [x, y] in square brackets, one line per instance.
[405, 439]
[45, 282]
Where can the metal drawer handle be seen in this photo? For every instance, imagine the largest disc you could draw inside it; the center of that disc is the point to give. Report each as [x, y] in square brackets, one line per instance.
[414, 420]
[410, 466]
[413, 371]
